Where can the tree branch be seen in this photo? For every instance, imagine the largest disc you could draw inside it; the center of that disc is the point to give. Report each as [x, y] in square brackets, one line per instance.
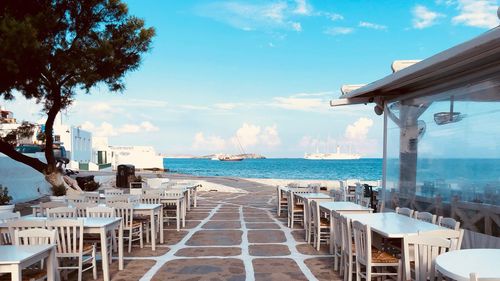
[34, 163]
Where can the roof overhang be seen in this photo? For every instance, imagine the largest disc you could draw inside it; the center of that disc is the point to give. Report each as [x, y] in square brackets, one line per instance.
[465, 64]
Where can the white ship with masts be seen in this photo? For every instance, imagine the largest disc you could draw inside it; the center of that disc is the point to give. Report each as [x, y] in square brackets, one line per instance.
[332, 156]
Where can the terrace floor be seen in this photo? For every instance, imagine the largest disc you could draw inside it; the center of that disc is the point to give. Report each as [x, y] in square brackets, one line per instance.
[230, 236]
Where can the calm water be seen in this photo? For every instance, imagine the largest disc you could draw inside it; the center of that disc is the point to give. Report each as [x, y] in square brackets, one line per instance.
[286, 168]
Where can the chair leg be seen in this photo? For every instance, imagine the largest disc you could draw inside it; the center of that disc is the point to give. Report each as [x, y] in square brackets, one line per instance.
[130, 240]
[94, 264]
[141, 243]
[318, 241]
[80, 267]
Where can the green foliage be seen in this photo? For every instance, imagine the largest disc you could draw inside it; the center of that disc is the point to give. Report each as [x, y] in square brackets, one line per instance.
[58, 190]
[25, 130]
[5, 198]
[52, 47]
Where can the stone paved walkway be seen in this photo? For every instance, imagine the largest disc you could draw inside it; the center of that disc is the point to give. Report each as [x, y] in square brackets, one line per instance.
[230, 236]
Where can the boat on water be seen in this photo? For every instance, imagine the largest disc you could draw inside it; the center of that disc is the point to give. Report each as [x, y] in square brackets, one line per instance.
[231, 158]
[332, 156]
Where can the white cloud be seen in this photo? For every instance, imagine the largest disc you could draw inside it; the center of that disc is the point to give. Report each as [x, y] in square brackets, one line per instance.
[247, 135]
[371, 25]
[149, 127]
[358, 131]
[477, 13]
[334, 16]
[303, 8]
[303, 101]
[297, 26]
[423, 17]
[339, 30]
[194, 107]
[270, 136]
[210, 143]
[106, 129]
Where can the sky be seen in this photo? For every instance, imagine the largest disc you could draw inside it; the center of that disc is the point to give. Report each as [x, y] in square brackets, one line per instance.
[262, 73]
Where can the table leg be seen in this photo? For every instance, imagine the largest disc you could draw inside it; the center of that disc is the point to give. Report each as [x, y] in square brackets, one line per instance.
[177, 214]
[104, 254]
[153, 230]
[189, 200]
[184, 211]
[16, 273]
[120, 247]
[195, 194]
[160, 218]
[51, 266]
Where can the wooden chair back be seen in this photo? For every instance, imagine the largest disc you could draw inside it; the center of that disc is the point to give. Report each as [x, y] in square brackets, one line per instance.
[449, 223]
[150, 198]
[117, 199]
[113, 191]
[425, 216]
[362, 242]
[337, 230]
[92, 197]
[81, 208]
[75, 198]
[34, 236]
[405, 212]
[134, 199]
[5, 238]
[100, 212]
[61, 212]
[49, 205]
[69, 238]
[125, 211]
[22, 224]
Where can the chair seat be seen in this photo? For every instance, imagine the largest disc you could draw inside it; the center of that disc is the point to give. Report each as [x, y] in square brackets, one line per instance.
[142, 218]
[28, 275]
[298, 207]
[324, 222]
[87, 247]
[383, 257]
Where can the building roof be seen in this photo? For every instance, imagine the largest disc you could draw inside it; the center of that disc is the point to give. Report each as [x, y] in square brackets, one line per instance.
[465, 64]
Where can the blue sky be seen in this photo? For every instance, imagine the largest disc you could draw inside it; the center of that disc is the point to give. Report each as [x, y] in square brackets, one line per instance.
[264, 71]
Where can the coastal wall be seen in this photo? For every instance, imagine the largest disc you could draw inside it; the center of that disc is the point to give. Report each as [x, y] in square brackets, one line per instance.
[329, 184]
[23, 182]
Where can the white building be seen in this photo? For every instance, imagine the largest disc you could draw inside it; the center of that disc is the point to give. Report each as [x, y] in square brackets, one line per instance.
[76, 141]
[142, 157]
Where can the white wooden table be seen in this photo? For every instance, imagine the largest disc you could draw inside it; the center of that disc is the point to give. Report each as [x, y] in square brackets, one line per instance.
[154, 211]
[13, 259]
[459, 264]
[99, 226]
[342, 207]
[179, 205]
[306, 197]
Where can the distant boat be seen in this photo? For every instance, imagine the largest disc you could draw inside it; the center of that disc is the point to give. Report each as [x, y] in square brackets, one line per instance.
[231, 158]
[332, 156]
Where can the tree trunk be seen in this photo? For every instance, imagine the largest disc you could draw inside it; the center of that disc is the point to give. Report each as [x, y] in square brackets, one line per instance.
[56, 179]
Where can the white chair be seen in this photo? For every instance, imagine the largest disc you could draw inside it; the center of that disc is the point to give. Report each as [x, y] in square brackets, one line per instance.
[61, 212]
[320, 227]
[49, 205]
[75, 198]
[70, 246]
[404, 211]
[134, 228]
[102, 212]
[295, 211]
[337, 241]
[449, 223]
[369, 260]
[150, 198]
[134, 199]
[169, 207]
[5, 238]
[113, 191]
[348, 253]
[425, 216]
[92, 197]
[81, 208]
[21, 224]
[117, 199]
[282, 200]
[420, 252]
[360, 196]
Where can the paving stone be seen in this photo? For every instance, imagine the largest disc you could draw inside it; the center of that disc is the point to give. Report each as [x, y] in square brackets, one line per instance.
[146, 251]
[172, 237]
[196, 216]
[258, 219]
[266, 236]
[222, 225]
[277, 269]
[202, 269]
[269, 250]
[189, 224]
[322, 268]
[262, 226]
[225, 216]
[299, 235]
[307, 249]
[132, 270]
[215, 238]
[208, 251]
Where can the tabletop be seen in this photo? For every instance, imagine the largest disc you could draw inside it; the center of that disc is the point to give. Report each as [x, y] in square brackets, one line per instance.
[457, 264]
[143, 206]
[343, 206]
[87, 222]
[12, 254]
[392, 225]
[312, 195]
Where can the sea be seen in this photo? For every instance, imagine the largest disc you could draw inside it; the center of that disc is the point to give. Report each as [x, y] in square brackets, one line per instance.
[280, 168]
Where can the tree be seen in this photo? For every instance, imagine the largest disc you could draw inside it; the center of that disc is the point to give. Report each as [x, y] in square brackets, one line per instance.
[52, 49]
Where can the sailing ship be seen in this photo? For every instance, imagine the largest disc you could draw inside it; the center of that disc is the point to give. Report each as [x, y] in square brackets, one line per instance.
[332, 156]
[233, 158]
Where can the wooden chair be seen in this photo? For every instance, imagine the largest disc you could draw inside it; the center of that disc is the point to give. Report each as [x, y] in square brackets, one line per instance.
[348, 250]
[35, 236]
[102, 212]
[75, 198]
[337, 241]
[92, 197]
[113, 191]
[282, 201]
[295, 211]
[134, 228]
[425, 216]
[449, 223]
[371, 259]
[405, 212]
[150, 198]
[5, 238]
[320, 227]
[70, 246]
[81, 208]
[61, 212]
[20, 224]
[49, 205]
[117, 199]
[169, 208]
[420, 252]
[134, 199]
[360, 196]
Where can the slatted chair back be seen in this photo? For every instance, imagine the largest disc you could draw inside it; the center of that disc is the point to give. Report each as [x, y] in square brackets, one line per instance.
[346, 228]
[34, 236]
[154, 191]
[404, 211]
[291, 202]
[81, 208]
[134, 199]
[150, 198]
[337, 230]
[22, 224]
[49, 205]
[425, 216]
[315, 217]
[117, 199]
[113, 191]
[92, 197]
[75, 198]
[100, 212]
[449, 223]
[125, 211]
[362, 242]
[69, 238]
[61, 212]
[420, 252]
[172, 193]
[5, 238]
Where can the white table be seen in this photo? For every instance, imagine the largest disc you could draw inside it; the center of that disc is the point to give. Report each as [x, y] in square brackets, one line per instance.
[13, 259]
[180, 210]
[99, 226]
[459, 264]
[392, 225]
[342, 207]
[154, 211]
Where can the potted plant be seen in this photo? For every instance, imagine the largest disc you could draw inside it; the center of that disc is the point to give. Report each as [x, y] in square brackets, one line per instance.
[58, 193]
[5, 198]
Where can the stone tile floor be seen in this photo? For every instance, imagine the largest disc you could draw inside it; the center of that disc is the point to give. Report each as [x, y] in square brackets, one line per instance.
[230, 236]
